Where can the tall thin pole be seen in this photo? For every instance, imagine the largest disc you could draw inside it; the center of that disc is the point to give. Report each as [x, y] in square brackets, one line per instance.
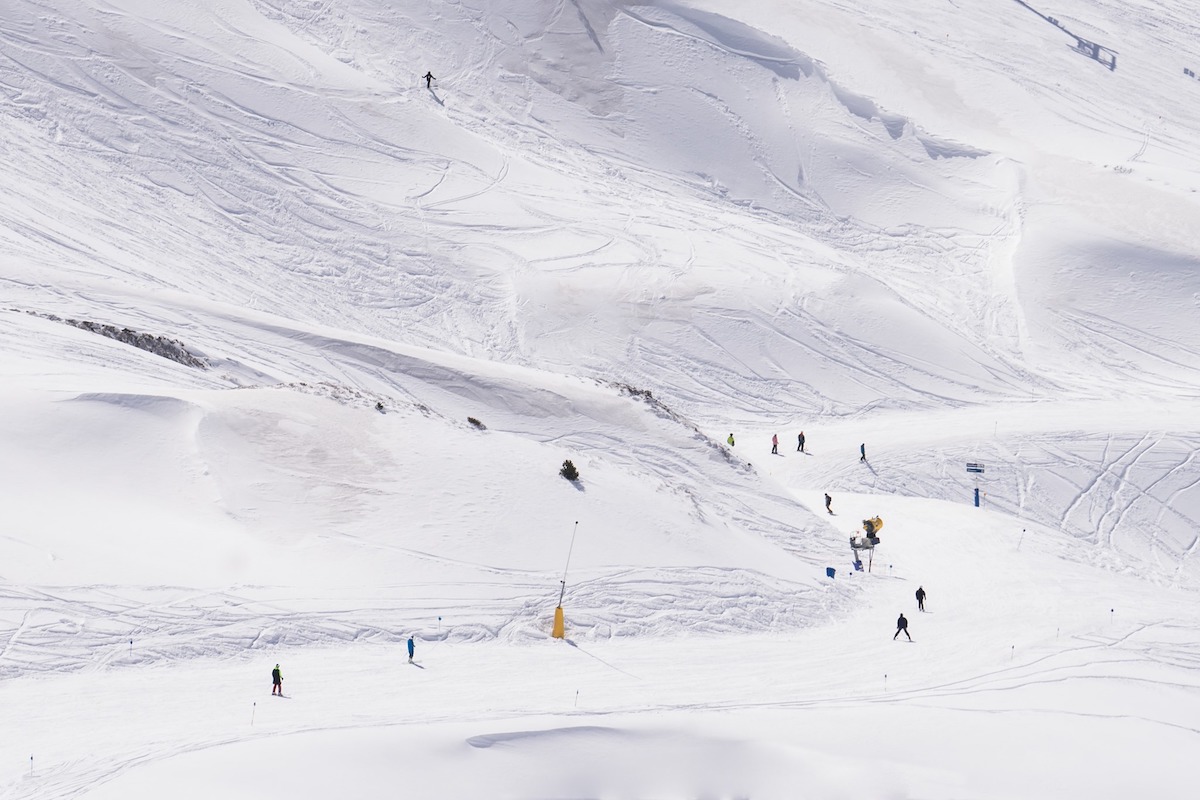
[568, 564]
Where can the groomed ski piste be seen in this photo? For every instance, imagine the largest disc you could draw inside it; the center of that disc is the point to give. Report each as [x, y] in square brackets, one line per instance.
[292, 349]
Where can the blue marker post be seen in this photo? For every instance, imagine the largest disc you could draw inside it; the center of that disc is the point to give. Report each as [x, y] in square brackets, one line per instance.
[977, 469]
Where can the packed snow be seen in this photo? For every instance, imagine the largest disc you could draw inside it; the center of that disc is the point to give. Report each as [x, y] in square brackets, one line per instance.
[294, 347]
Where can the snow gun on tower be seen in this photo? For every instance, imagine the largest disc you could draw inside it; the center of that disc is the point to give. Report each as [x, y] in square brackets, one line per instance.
[867, 541]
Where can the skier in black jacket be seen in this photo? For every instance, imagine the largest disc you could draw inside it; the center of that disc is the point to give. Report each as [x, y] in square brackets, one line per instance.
[429, 79]
[920, 598]
[901, 625]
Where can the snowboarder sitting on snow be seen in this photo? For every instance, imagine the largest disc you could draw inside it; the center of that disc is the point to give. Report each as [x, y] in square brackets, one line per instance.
[901, 625]
[429, 79]
[920, 598]
[277, 681]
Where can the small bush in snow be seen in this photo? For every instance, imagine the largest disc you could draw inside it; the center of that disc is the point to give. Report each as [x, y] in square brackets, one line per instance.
[568, 471]
[477, 423]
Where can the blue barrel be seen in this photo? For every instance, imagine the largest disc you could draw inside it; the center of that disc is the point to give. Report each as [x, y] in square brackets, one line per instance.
[829, 572]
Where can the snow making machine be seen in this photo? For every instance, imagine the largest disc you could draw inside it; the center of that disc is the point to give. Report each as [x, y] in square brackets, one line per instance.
[866, 541]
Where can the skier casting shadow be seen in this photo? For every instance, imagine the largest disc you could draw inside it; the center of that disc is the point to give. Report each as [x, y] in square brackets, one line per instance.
[920, 598]
[429, 79]
[277, 681]
[901, 625]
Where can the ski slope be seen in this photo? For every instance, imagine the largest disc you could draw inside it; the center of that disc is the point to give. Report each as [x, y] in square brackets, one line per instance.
[257, 280]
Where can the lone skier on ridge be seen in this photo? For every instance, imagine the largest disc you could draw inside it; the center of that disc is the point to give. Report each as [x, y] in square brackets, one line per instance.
[429, 79]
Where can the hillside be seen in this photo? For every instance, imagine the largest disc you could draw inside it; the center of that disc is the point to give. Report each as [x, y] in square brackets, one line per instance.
[258, 280]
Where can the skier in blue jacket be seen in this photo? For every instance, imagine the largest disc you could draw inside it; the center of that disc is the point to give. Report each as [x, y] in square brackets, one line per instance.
[412, 647]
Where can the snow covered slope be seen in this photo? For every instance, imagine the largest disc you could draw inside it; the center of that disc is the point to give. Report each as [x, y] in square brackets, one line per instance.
[612, 233]
[732, 217]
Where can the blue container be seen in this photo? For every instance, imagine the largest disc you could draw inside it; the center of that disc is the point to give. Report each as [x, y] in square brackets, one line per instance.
[829, 572]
